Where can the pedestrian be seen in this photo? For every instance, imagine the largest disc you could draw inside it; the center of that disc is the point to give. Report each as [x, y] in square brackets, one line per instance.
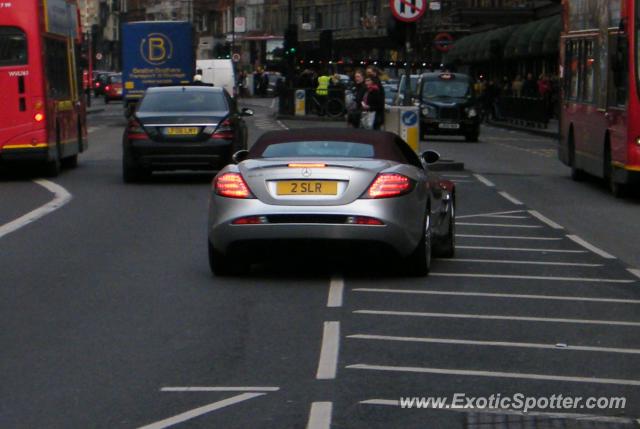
[374, 73]
[354, 108]
[197, 78]
[516, 86]
[372, 106]
[322, 91]
[530, 87]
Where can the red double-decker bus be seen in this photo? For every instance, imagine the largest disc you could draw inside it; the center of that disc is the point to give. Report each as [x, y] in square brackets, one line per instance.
[42, 110]
[600, 119]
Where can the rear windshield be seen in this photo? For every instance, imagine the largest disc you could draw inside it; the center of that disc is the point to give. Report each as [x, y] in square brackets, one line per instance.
[317, 149]
[446, 88]
[116, 79]
[13, 47]
[183, 101]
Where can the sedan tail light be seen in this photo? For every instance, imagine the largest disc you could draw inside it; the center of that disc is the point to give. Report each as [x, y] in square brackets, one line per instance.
[389, 185]
[223, 131]
[231, 185]
[107, 88]
[135, 131]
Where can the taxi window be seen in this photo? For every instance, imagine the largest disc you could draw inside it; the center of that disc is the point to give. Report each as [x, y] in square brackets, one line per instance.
[446, 88]
[318, 148]
[13, 47]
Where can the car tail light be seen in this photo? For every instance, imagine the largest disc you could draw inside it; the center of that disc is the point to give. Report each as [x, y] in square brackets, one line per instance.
[135, 130]
[250, 220]
[223, 131]
[389, 185]
[107, 88]
[97, 84]
[363, 220]
[231, 185]
[38, 106]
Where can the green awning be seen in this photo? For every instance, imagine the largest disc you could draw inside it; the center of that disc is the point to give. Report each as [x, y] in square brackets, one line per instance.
[459, 49]
[518, 44]
[551, 42]
[537, 40]
[498, 37]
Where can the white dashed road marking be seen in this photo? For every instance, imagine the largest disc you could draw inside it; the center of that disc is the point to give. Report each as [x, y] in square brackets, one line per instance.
[590, 247]
[545, 220]
[220, 389]
[510, 198]
[545, 278]
[484, 180]
[328, 364]
[320, 415]
[336, 292]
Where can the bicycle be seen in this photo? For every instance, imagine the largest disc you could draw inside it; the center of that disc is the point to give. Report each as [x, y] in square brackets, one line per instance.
[333, 107]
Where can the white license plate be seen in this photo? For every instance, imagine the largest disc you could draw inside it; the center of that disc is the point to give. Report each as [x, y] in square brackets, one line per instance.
[449, 126]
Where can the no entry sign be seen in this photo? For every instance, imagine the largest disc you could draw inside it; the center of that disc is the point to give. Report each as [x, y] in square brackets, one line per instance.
[408, 10]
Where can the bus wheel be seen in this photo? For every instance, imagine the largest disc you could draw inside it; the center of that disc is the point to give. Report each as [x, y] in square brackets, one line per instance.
[576, 173]
[617, 189]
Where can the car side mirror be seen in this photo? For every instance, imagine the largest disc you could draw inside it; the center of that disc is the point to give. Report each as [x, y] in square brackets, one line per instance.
[240, 156]
[430, 156]
[246, 112]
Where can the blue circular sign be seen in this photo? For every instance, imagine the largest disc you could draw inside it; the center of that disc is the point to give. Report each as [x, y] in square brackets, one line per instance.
[300, 94]
[409, 118]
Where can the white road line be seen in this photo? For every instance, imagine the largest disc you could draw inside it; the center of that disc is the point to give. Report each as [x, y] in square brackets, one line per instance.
[496, 374]
[494, 261]
[273, 103]
[511, 199]
[490, 214]
[559, 347]
[320, 415]
[574, 416]
[546, 278]
[520, 249]
[508, 237]
[458, 176]
[507, 217]
[590, 247]
[498, 225]
[496, 317]
[336, 292]
[180, 418]
[634, 271]
[282, 125]
[328, 364]
[92, 129]
[61, 197]
[500, 295]
[545, 219]
[220, 389]
[484, 180]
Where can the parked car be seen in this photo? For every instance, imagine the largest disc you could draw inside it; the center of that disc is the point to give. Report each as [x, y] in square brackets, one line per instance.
[182, 127]
[113, 88]
[325, 188]
[400, 94]
[448, 105]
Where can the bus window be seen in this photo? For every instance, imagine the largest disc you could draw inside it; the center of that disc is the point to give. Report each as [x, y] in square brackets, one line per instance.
[13, 47]
[57, 69]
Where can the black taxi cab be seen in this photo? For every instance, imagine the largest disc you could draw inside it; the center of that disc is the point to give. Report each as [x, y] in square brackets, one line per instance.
[448, 105]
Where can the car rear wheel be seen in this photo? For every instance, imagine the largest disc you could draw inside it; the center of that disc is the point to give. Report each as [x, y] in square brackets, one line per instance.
[224, 265]
[447, 247]
[419, 262]
[131, 171]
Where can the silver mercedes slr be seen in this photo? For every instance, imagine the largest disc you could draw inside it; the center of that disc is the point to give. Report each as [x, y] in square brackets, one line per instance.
[325, 188]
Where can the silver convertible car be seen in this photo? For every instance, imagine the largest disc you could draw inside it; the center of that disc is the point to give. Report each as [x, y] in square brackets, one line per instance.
[330, 188]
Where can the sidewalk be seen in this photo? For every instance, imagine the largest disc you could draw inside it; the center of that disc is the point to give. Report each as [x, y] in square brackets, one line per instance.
[552, 130]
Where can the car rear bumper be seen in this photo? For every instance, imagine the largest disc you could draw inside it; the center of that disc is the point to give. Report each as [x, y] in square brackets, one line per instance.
[401, 231]
[210, 154]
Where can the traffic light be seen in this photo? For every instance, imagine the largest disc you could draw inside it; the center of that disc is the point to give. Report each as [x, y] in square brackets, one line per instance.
[291, 40]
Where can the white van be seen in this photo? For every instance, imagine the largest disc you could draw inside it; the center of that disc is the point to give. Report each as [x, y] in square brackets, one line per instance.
[220, 73]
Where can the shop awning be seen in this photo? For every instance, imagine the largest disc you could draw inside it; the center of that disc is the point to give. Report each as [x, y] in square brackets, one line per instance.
[551, 42]
[518, 44]
[495, 39]
[543, 31]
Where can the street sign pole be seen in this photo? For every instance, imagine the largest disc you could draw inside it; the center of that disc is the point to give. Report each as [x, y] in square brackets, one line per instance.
[408, 11]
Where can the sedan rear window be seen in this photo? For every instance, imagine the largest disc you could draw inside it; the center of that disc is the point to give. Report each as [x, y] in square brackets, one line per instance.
[13, 47]
[183, 101]
[330, 149]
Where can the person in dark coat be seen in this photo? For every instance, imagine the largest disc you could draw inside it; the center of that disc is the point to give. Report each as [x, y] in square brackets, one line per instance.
[530, 87]
[374, 102]
[354, 110]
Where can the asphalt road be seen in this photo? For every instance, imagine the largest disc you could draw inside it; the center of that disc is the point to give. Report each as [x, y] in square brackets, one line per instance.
[111, 319]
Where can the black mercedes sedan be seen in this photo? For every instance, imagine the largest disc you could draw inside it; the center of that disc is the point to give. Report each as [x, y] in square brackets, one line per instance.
[182, 128]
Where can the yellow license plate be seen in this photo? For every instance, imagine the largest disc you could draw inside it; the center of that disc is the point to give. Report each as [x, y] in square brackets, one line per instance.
[182, 131]
[307, 187]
